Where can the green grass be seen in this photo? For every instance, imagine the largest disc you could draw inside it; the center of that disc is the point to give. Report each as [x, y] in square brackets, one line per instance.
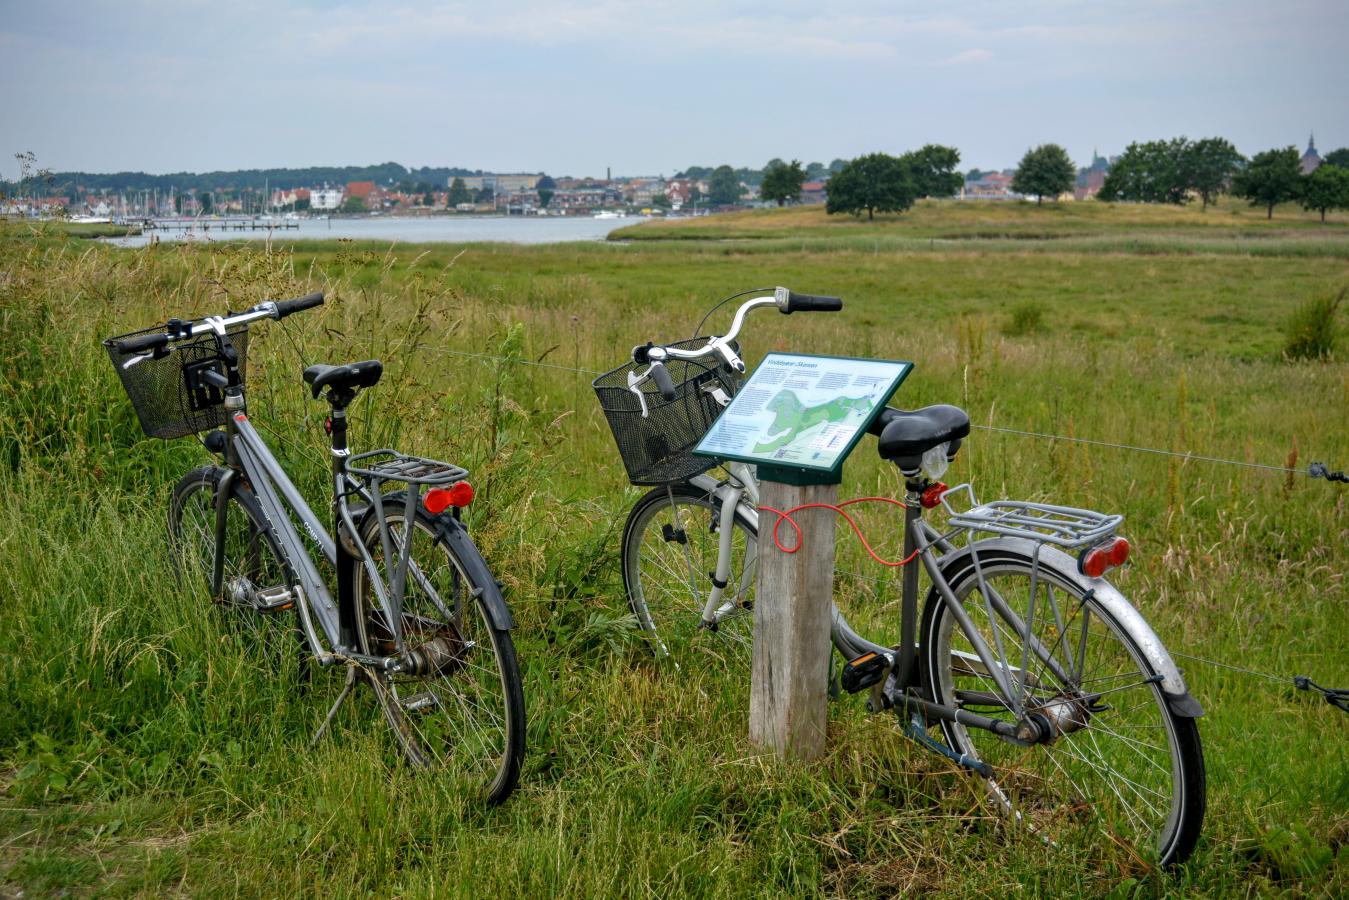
[143, 752]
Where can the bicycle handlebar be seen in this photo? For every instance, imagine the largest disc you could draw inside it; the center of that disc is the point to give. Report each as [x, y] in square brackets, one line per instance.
[308, 301]
[661, 376]
[785, 300]
[809, 303]
[180, 331]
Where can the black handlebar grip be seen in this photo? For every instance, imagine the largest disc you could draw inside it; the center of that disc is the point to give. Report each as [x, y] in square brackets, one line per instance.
[142, 342]
[811, 303]
[286, 307]
[661, 376]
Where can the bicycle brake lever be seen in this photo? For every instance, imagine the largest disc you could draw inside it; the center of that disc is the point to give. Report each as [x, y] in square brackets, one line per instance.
[634, 380]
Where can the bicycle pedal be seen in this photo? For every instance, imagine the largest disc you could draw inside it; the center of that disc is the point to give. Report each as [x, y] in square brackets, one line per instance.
[275, 599]
[420, 702]
[861, 673]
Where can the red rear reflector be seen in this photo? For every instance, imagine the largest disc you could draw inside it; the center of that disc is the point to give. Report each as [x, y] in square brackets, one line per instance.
[461, 493]
[932, 495]
[1103, 557]
[437, 500]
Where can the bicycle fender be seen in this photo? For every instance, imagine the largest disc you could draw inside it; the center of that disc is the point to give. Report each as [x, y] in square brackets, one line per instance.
[455, 534]
[1158, 659]
[709, 485]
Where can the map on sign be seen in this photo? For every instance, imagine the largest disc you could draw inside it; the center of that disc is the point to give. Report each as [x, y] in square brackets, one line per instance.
[803, 411]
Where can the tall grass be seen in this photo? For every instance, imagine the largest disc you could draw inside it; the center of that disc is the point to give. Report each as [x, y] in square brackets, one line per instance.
[143, 750]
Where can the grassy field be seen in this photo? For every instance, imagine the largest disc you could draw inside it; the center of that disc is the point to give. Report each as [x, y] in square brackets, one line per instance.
[143, 750]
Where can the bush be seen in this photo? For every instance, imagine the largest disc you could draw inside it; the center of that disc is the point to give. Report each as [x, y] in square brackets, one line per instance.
[1311, 331]
[1026, 319]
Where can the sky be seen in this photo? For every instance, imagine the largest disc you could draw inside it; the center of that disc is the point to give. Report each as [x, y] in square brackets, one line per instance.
[647, 88]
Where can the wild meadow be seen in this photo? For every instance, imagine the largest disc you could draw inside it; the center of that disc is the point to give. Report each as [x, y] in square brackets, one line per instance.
[145, 751]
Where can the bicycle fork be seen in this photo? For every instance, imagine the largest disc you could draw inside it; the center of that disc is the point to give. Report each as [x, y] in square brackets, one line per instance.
[730, 501]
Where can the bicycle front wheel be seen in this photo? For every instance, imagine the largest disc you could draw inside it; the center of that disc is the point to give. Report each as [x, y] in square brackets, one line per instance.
[1118, 758]
[256, 575]
[462, 710]
[670, 548]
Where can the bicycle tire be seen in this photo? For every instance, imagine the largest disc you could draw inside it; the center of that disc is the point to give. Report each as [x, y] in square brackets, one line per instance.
[666, 588]
[465, 715]
[1126, 761]
[254, 561]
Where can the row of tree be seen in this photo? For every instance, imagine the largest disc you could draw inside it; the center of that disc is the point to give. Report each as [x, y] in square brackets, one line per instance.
[1173, 171]
[1176, 170]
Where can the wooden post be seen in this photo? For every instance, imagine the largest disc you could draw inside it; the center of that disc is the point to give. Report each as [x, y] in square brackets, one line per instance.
[789, 677]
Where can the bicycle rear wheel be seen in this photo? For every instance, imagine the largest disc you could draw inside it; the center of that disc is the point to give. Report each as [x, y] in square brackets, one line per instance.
[1120, 758]
[254, 565]
[670, 547]
[463, 711]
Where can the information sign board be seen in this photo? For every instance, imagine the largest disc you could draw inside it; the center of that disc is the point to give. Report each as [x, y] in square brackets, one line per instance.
[803, 412]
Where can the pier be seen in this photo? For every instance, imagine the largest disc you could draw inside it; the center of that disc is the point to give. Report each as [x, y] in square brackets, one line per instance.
[236, 223]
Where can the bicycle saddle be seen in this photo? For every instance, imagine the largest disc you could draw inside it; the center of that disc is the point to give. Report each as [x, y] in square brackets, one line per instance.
[352, 375]
[906, 436]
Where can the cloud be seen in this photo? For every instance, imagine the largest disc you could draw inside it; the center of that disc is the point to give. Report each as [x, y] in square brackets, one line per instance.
[968, 57]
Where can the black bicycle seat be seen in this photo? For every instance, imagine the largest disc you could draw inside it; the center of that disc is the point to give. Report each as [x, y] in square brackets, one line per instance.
[906, 436]
[352, 375]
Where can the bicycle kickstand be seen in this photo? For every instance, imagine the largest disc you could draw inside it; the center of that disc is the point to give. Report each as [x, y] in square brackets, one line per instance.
[341, 698]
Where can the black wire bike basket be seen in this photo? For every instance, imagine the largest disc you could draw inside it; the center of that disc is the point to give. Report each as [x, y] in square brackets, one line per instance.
[166, 388]
[656, 447]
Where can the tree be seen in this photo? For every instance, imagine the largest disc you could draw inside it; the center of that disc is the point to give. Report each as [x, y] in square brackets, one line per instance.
[428, 199]
[546, 183]
[1208, 166]
[660, 201]
[933, 169]
[458, 194]
[353, 204]
[1326, 187]
[1045, 171]
[205, 200]
[1338, 157]
[1273, 177]
[723, 188]
[782, 182]
[816, 171]
[545, 197]
[1150, 172]
[484, 195]
[837, 165]
[876, 183]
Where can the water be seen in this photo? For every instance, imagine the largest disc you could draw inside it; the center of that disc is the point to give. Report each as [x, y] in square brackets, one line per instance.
[393, 229]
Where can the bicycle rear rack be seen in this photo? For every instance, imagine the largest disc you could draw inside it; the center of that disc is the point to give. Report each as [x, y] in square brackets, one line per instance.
[389, 465]
[1064, 526]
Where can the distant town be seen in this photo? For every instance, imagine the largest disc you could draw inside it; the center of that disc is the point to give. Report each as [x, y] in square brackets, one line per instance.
[696, 191]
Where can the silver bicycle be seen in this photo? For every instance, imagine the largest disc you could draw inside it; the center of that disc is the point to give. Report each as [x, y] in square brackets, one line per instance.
[417, 615]
[1024, 666]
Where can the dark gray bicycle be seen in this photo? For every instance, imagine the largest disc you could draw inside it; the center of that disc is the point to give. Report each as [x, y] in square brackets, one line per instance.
[417, 615]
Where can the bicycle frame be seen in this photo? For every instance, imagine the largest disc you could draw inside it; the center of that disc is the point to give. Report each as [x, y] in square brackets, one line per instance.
[333, 640]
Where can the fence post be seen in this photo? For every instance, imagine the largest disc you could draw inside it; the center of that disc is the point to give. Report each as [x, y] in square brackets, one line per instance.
[789, 676]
